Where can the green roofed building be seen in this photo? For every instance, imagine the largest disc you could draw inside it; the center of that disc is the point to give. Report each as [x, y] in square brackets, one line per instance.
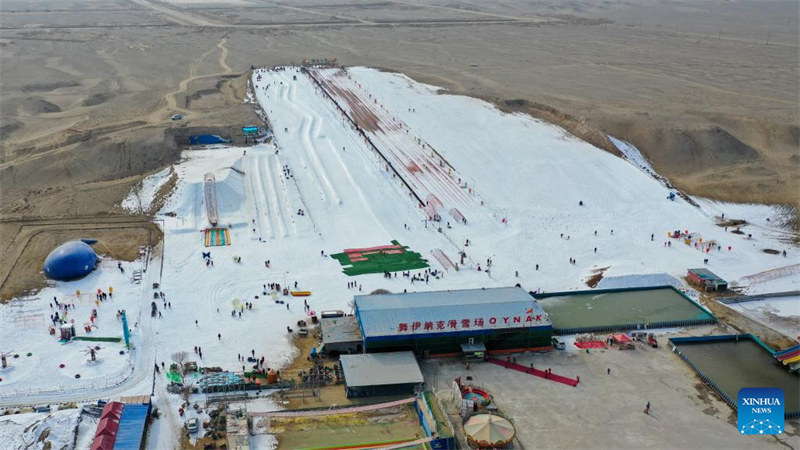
[437, 323]
[706, 279]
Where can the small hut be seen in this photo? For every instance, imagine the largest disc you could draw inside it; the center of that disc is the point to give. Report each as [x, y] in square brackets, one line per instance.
[706, 279]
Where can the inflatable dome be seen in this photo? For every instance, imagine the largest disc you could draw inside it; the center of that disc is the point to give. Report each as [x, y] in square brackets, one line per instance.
[70, 260]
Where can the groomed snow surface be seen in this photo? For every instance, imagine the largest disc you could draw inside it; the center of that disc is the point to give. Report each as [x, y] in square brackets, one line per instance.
[511, 167]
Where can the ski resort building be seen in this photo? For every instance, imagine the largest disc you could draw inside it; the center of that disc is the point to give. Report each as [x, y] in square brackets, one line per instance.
[381, 374]
[438, 323]
[706, 279]
[123, 424]
[341, 335]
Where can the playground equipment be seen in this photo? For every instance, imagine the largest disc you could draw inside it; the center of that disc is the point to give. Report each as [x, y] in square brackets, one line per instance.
[125, 332]
[92, 352]
[475, 395]
[67, 331]
[70, 261]
[3, 358]
[489, 431]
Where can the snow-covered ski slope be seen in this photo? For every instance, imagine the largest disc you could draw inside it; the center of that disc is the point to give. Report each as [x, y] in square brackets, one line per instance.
[530, 173]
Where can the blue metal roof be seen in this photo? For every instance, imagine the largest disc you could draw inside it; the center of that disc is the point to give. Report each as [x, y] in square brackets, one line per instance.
[131, 427]
[438, 312]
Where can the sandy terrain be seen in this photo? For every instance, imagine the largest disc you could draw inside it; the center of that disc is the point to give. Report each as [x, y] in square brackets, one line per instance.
[88, 87]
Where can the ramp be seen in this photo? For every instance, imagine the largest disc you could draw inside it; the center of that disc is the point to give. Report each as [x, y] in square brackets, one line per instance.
[443, 259]
[210, 197]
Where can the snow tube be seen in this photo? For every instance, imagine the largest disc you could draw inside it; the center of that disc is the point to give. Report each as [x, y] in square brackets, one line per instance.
[311, 313]
[77, 375]
[62, 365]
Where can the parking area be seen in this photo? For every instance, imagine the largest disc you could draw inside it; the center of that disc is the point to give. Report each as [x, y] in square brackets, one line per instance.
[605, 409]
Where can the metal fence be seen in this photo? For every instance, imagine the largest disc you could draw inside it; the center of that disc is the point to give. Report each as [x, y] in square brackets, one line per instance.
[634, 326]
[708, 380]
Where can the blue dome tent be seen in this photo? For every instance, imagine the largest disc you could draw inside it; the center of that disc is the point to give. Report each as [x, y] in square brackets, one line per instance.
[70, 260]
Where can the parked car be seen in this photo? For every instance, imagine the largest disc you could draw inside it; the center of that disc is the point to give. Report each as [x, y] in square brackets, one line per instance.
[558, 343]
[176, 117]
[193, 425]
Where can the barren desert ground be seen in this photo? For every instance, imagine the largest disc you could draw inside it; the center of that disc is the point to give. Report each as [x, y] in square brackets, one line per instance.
[707, 90]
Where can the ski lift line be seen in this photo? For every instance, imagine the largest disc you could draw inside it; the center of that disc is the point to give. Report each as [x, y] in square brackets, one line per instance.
[433, 178]
[369, 141]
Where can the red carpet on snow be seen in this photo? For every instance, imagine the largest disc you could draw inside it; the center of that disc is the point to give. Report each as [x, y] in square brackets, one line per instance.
[535, 372]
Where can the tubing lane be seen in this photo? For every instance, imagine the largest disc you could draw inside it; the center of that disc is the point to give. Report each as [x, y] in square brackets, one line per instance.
[259, 198]
[272, 191]
[308, 143]
[290, 211]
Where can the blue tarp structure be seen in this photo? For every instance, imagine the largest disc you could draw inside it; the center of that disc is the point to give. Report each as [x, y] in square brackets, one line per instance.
[130, 435]
[207, 139]
[69, 261]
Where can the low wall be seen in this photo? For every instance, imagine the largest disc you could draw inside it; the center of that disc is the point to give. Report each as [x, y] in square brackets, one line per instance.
[634, 326]
[755, 298]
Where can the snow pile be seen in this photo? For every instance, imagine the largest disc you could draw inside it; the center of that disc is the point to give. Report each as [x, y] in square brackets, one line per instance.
[141, 197]
[633, 155]
[39, 431]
